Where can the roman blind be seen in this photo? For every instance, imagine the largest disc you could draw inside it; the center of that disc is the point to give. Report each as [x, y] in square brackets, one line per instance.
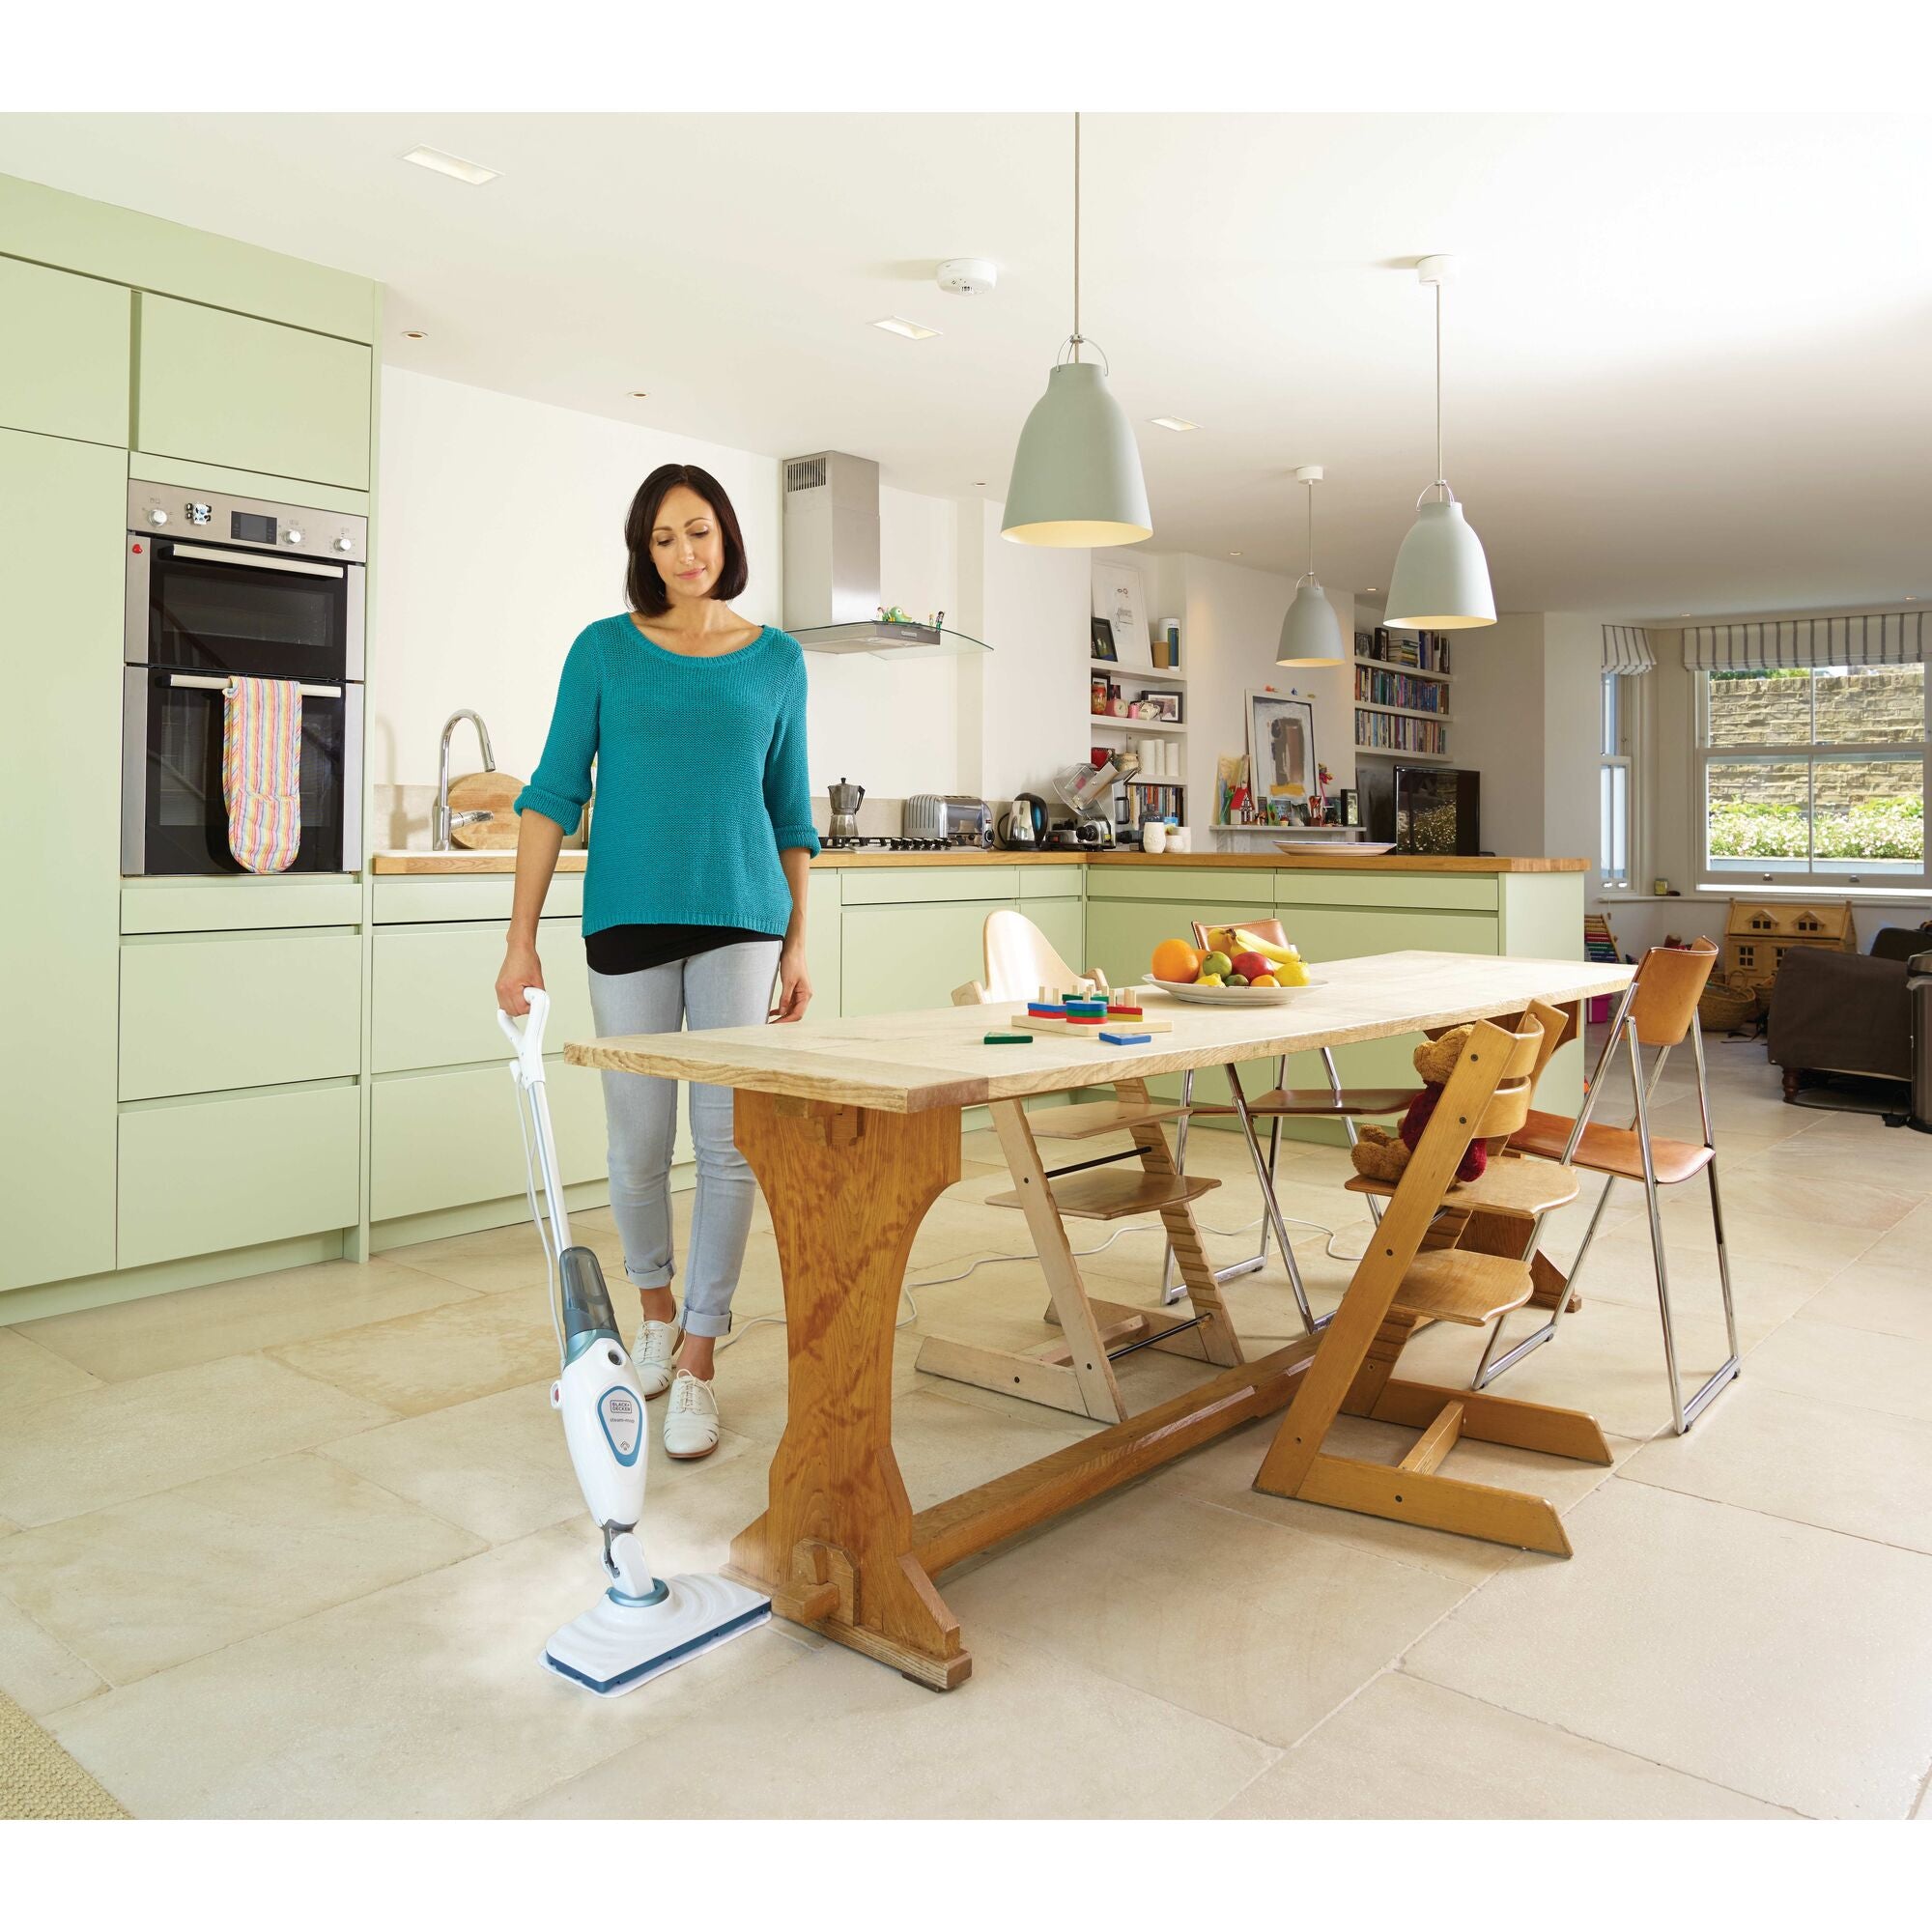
[1627, 650]
[1872, 637]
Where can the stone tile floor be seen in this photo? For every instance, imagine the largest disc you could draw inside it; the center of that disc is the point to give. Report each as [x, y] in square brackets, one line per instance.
[289, 1546]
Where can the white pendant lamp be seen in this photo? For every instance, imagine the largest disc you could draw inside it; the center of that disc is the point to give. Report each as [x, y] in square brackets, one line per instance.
[1441, 580]
[1311, 633]
[1076, 479]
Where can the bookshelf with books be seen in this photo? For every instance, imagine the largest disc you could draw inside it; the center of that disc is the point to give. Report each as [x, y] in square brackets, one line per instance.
[1158, 733]
[1403, 698]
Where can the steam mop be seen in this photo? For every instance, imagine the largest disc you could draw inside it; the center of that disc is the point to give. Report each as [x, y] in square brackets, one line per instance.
[643, 1625]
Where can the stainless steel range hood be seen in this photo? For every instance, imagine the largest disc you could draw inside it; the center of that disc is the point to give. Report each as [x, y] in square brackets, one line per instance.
[832, 599]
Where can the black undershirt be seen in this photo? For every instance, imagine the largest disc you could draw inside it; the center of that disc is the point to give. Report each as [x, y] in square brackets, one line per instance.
[633, 948]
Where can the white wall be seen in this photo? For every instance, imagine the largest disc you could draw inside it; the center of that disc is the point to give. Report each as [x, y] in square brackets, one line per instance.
[500, 534]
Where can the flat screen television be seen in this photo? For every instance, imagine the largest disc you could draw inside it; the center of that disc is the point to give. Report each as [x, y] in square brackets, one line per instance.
[1421, 808]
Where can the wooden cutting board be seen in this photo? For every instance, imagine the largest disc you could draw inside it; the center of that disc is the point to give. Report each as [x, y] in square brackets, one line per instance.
[494, 792]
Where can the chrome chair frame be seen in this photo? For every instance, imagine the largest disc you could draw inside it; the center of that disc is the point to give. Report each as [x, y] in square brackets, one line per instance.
[1623, 1032]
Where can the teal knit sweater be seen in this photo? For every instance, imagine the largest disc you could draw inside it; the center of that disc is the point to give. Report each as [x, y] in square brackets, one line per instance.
[700, 778]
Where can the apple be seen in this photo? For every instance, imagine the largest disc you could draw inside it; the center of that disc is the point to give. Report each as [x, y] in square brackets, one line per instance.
[1252, 965]
[1237, 979]
[1217, 966]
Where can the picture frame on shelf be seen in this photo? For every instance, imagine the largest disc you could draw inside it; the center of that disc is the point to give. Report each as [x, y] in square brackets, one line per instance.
[1167, 704]
[1118, 600]
[1281, 747]
[1102, 634]
[1101, 693]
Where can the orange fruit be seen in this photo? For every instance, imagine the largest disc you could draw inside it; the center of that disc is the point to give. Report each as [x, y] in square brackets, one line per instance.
[1264, 979]
[1177, 960]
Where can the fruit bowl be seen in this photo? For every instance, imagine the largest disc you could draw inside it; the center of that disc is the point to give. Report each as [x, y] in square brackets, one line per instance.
[1231, 996]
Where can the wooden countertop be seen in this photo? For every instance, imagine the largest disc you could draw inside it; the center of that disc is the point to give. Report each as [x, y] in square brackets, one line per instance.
[427, 865]
[911, 1062]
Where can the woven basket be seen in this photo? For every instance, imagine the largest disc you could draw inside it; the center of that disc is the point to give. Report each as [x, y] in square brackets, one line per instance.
[1724, 1007]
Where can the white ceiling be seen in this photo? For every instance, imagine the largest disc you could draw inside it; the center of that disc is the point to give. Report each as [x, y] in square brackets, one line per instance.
[1686, 354]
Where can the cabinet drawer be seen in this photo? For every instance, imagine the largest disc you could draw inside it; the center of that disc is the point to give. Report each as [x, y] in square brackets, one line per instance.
[230, 905]
[1050, 882]
[1447, 892]
[408, 901]
[254, 1010]
[888, 884]
[203, 1176]
[444, 1140]
[1206, 886]
[251, 394]
[431, 1002]
[66, 369]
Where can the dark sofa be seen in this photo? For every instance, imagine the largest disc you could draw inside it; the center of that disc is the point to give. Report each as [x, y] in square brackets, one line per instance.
[1845, 1012]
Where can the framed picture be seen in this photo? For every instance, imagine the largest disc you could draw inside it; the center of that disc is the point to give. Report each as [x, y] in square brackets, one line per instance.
[1103, 640]
[1281, 745]
[1117, 598]
[1166, 705]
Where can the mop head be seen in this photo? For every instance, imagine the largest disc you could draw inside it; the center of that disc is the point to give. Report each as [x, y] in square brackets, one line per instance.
[616, 1647]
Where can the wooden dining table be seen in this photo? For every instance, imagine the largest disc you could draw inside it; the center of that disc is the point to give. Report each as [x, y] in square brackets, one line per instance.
[852, 1127]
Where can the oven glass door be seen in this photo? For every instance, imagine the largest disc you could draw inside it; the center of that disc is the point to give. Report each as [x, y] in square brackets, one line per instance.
[217, 609]
[187, 828]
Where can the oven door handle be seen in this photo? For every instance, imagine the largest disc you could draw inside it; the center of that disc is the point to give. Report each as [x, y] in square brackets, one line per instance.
[253, 560]
[225, 685]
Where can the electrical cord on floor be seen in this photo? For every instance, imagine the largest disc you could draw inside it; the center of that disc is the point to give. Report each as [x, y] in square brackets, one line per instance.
[1031, 1255]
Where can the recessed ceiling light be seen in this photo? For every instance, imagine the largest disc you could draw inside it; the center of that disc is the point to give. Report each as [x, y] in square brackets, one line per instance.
[897, 325]
[637, 395]
[415, 335]
[1233, 553]
[1367, 587]
[1173, 422]
[453, 165]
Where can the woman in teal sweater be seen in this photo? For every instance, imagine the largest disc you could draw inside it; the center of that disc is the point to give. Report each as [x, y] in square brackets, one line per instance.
[695, 894]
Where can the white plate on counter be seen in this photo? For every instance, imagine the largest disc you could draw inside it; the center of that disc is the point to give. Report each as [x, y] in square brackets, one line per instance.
[1232, 996]
[1352, 848]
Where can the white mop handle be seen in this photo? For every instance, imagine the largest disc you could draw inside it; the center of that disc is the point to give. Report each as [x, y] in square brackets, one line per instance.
[528, 1070]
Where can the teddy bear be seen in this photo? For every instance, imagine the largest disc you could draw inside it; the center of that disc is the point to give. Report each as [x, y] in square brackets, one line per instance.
[1381, 1155]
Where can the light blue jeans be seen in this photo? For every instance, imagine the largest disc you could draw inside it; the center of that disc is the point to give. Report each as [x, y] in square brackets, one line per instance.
[730, 985]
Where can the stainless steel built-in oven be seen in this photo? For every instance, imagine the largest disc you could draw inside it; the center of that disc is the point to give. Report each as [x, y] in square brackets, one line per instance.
[225, 586]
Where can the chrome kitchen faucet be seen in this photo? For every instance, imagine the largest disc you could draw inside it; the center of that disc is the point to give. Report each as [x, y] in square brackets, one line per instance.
[440, 822]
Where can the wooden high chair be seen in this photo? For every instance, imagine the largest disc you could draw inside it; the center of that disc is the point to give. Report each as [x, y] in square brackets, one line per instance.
[1415, 1271]
[1332, 1102]
[1076, 1373]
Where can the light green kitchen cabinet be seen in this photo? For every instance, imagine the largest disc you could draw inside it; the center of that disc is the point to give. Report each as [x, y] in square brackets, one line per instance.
[432, 993]
[1064, 922]
[1437, 892]
[450, 1138]
[199, 1015]
[251, 394]
[1050, 880]
[61, 595]
[898, 885]
[64, 353]
[899, 958]
[198, 1176]
[822, 927]
[400, 899]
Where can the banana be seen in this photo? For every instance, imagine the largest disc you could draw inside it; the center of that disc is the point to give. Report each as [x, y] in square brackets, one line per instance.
[1246, 942]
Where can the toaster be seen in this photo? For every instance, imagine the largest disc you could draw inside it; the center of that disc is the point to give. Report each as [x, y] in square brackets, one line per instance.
[952, 820]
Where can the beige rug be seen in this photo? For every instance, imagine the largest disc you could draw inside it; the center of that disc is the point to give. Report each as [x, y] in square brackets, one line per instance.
[38, 1779]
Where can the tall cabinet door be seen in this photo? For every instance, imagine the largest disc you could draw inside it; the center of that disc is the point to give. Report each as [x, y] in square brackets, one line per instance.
[61, 518]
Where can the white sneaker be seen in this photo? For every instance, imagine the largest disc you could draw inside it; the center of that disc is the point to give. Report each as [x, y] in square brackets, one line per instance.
[691, 1422]
[651, 1355]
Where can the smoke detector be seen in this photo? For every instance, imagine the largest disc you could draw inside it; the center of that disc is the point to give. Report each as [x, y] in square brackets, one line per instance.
[968, 276]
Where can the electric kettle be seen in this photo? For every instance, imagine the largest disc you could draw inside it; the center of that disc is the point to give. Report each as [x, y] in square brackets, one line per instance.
[844, 825]
[1022, 826]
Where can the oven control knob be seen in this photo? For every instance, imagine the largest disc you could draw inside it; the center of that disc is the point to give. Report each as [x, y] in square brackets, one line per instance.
[345, 545]
[158, 518]
[292, 535]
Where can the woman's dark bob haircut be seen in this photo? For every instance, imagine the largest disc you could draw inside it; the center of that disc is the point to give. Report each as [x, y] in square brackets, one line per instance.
[642, 584]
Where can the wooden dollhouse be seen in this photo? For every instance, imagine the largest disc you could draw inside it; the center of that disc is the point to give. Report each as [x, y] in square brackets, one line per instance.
[1760, 932]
